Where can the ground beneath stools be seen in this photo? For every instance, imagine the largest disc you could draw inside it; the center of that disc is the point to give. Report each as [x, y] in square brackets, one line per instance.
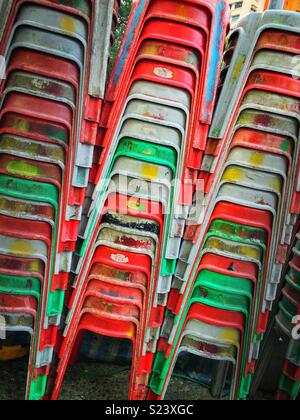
[93, 381]
[106, 382]
[13, 380]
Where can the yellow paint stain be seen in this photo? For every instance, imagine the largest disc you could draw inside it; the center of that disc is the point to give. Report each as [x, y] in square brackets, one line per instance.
[257, 159]
[242, 250]
[68, 24]
[238, 68]
[231, 336]
[249, 252]
[19, 167]
[131, 332]
[229, 353]
[245, 119]
[213, 243]
[34, 266]
[21, 125]
[277, 184]
[22, 247]
[233, 174]
[149, 171]
[150, 49]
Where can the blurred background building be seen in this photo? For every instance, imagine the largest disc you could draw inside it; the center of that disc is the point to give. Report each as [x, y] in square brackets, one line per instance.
[240, 8]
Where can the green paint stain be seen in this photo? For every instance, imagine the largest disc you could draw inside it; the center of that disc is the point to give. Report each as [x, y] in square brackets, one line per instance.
[21, 167]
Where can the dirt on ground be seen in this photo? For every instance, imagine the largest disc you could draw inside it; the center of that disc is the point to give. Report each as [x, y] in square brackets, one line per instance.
[91, 381]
